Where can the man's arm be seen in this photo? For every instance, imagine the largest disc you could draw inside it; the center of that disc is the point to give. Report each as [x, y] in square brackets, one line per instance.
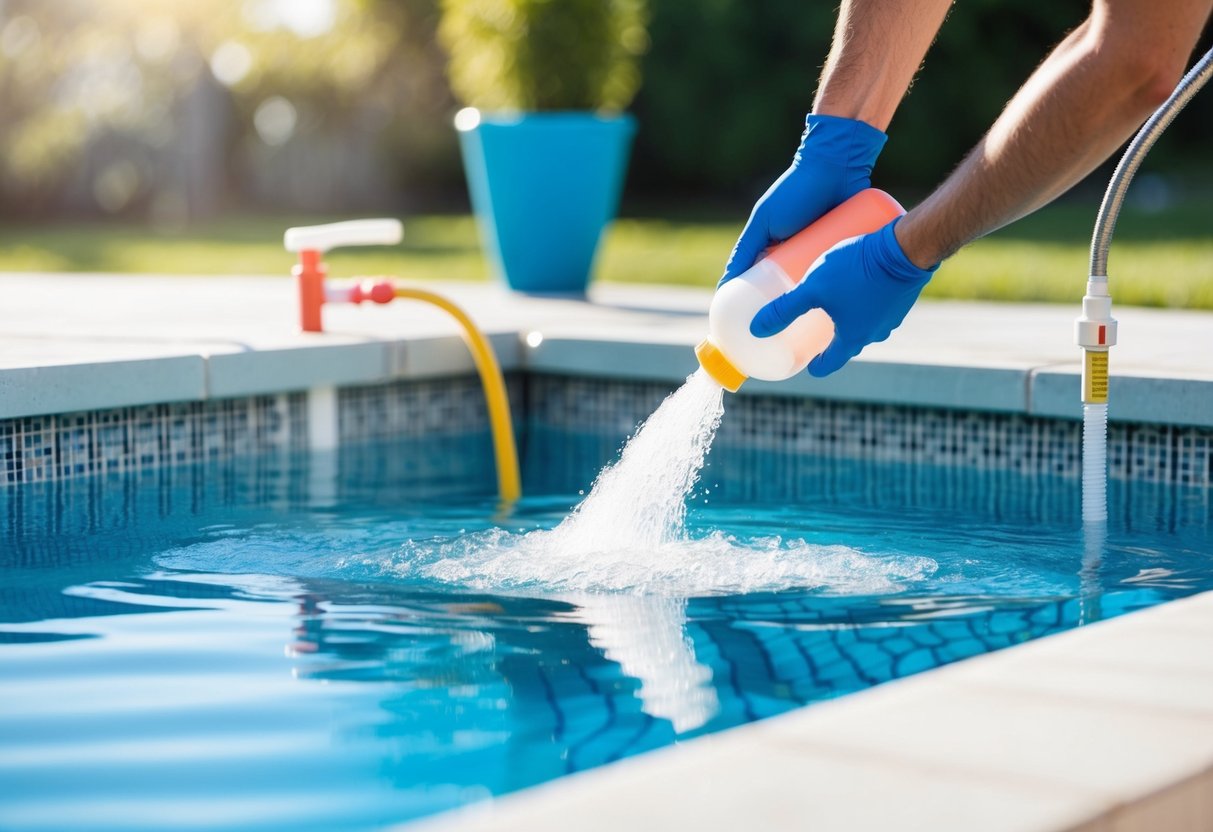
[878, 45]
[877, 48]
[1082, 103]
[1086, 98]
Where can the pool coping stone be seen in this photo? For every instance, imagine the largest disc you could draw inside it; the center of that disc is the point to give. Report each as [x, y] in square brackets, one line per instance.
[141, 339]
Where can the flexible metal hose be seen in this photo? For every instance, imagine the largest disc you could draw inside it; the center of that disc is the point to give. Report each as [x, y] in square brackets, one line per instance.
[1114, 197]
[1094, 417]
[1095, 413]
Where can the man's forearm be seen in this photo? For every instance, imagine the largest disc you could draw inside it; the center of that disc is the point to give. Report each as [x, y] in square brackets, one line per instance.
[878, 46]
[1086, 99]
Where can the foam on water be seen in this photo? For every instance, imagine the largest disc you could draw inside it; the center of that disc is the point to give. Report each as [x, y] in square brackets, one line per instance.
[715, 564]
[499, 560]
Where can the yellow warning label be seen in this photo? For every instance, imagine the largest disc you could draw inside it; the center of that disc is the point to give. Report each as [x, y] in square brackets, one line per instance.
[1095, 378]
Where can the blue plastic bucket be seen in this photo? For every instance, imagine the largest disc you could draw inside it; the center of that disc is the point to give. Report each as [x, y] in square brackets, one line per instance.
[543, 187]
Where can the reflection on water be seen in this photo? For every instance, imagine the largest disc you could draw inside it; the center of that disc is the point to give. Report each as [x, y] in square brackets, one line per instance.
[237, 638]
[1090, 586]
[646, 636]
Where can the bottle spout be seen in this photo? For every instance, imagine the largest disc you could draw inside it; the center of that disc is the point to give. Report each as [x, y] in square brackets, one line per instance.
[718, 366]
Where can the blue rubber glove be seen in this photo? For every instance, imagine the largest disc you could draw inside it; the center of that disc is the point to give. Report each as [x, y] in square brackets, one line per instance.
[866, 284]
[834, 162]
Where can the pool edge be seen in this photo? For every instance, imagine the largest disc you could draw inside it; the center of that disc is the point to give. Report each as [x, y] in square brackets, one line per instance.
[1106, 727]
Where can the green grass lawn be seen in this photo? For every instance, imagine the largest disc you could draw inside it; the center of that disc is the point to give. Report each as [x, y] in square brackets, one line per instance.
[1157, 259]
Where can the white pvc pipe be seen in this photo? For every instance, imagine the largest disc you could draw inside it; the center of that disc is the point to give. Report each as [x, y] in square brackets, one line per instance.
[1094, 464]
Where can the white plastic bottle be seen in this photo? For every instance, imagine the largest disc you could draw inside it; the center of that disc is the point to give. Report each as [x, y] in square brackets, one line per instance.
[730, 354]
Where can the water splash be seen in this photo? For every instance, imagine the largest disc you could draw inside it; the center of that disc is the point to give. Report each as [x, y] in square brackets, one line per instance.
[629, 534]
[639, 503]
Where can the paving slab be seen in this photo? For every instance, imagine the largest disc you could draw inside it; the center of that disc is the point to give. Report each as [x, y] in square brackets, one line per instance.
[84, 385]
[1014, 358]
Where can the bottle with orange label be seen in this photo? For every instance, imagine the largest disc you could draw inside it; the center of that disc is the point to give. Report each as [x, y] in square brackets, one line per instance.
[730, 354]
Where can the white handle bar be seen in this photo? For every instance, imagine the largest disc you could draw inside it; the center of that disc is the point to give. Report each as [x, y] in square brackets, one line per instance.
[381, 232]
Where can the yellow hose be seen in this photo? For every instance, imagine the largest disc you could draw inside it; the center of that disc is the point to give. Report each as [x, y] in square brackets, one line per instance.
[509, 483]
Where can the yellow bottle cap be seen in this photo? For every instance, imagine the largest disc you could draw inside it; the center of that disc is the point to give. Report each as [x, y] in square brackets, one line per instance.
[718, 366]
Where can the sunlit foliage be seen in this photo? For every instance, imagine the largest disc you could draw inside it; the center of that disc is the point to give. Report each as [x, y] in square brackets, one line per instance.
[545, 54]
[122, 80]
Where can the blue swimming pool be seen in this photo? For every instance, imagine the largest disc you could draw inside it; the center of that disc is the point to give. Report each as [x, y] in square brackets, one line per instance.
[352, 641]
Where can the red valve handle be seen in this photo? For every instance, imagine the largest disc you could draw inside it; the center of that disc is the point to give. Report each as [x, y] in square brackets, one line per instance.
[375, 291]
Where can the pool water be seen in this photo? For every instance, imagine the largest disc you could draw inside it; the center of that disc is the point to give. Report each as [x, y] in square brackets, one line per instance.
[353, 641]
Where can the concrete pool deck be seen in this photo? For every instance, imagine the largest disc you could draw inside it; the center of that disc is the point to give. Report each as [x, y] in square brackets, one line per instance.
[146, 339]
[1108, 727]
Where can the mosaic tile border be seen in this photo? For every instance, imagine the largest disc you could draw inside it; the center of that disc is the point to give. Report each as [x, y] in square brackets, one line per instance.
[68, 445]
[434, 407]
[64, 446]
[886, 433]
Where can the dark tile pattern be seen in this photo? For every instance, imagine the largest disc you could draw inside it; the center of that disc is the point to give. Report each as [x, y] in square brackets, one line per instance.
[886, 433]
[53, 447]
[431, 407]
[67, 445]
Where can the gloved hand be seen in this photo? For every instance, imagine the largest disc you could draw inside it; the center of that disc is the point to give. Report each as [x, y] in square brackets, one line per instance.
[866, 284]
[834, 162]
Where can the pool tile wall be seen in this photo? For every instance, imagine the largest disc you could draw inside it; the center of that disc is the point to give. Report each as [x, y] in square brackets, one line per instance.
[66, 445]
[70, 520]
[885, 433]
[420, 408]
[61, 446]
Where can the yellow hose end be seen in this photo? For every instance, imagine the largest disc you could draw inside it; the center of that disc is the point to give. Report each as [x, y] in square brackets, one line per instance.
[509, 481]
[1095, 377]
[505, 449]
[718, 366]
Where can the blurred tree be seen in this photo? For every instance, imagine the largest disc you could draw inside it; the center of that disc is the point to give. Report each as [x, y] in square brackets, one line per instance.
[544, 54]
[177, 109]
[170, 109]
[727, 84]
[419, 143]
[726, 88]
